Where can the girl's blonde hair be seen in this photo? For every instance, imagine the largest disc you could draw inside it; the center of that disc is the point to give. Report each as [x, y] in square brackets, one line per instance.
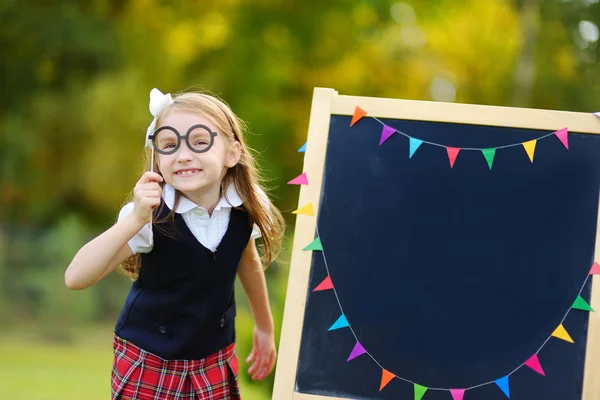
[244, 176]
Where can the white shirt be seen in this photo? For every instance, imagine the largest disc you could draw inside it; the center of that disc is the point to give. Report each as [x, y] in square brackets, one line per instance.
[208, 230]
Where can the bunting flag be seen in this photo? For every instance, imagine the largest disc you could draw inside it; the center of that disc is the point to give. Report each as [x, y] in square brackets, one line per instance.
[530, 148]
[386, 132]
[358, 114]
[534, 364]
[414, 145]
[457, 394]
[314, 245]
[452, 154]
[595, 269]
[563, 136]
[489, 156]
[341, 322]
[581, 304]
[302, 149]
[503, 385]
[299, 180]
[358, 350]
[419, 391]
[386, 377]
[325, 285]
[597, 114]
[561, 333]
[306, 210]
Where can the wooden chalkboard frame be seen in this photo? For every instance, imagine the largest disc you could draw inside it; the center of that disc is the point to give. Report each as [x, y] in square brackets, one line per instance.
[327, 102]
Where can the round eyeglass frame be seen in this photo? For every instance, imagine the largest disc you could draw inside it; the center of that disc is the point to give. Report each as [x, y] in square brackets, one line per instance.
[185, 137]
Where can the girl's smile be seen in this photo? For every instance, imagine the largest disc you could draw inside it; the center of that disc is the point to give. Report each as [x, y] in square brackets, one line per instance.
[188, 172]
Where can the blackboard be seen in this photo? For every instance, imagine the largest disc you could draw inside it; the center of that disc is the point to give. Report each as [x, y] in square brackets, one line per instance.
[448, 273]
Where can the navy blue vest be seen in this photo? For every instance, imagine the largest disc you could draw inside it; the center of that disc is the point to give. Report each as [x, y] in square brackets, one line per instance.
[182, 306]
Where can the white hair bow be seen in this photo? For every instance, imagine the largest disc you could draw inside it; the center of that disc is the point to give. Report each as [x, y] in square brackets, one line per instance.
[158, 102]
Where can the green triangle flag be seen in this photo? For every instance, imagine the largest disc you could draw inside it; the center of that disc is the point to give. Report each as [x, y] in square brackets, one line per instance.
[419, 391]
[489, 156]
[581, 304]
[315, 245]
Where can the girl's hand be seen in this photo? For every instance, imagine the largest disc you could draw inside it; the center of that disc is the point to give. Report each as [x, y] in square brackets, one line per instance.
[146, 196]
[263, 354]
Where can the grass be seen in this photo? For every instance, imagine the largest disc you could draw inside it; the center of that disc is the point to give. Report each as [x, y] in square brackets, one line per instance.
[32, 368]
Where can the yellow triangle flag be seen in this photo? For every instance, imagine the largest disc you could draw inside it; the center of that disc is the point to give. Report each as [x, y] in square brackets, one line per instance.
[306, 210]
[561, 333]
[530, 148]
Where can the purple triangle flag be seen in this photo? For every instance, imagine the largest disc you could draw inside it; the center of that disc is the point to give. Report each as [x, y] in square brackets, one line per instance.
[386, 133]
[358, 350]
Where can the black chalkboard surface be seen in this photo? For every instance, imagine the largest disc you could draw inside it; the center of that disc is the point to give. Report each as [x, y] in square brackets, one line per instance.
[419, 276]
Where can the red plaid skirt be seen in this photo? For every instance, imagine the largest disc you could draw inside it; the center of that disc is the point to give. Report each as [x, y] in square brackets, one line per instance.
[139, 375]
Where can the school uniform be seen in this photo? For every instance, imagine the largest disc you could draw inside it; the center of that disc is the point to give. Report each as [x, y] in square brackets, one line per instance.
[175, 336]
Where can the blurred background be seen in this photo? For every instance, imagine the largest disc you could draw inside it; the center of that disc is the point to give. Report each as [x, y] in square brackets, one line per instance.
[74, 83]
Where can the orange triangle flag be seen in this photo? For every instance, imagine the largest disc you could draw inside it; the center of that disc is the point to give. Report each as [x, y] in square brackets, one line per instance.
[358, 114]
[386, 377]
[562, 333]
[325, 285]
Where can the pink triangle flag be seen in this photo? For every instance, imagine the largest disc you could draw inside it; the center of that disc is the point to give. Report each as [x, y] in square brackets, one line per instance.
[358, 350]
[386, 133]
[452, 154]
[595, 269]
[299, 180]
[325, 285]
[457, 394]
[534, 364]
[563, 135]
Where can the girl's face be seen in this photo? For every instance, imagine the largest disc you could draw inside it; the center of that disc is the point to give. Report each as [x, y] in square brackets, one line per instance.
[196, 173]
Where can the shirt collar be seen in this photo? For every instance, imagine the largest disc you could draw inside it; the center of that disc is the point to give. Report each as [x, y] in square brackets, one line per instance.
[231, 199]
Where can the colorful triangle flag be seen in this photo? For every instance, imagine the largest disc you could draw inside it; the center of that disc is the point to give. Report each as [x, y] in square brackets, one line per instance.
[386, 377]
[581, 304]
[489, 156]
[325, 285]
[419, 391]
[358, 114]
[503, 385]
[452, 153]
[562, 333]
[341, 322]
[302, 149]
[534, 364]
[358, 350]
[530, 148]
[386, 133]
[299, 180]
[595, 269]
[563, 135]
[414, 145]
[457, 394]
[314, 245]
[306, 210]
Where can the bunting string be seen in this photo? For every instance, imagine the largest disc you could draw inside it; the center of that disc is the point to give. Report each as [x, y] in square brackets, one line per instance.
[532, 362]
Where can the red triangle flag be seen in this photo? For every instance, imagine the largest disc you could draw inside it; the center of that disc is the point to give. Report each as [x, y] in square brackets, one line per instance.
[452, 154]
[325, 285]
[595, 269]
[534, 364]
[358, 114]
[386, 377]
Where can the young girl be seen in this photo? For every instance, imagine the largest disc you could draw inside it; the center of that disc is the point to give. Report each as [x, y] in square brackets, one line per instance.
[189, 230]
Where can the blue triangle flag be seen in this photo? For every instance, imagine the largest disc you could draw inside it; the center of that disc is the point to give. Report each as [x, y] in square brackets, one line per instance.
[302, 149]
[414, 145]
[342, 322]
[503, 384]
